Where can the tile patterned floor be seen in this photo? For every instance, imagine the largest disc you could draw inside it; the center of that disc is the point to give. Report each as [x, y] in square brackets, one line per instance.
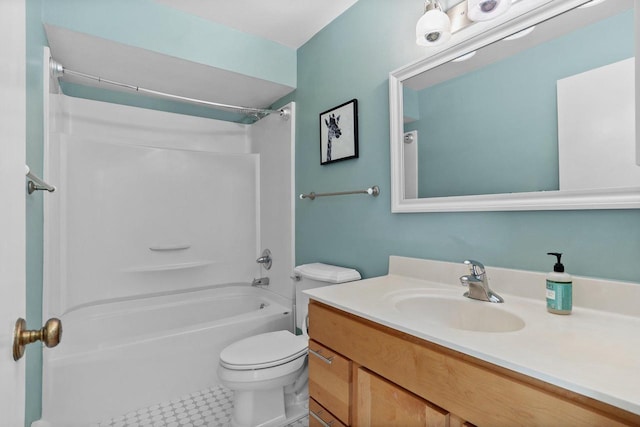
[206, 408]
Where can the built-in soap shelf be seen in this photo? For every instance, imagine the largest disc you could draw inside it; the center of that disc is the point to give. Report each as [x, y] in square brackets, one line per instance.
[168, 267]
[168, 248]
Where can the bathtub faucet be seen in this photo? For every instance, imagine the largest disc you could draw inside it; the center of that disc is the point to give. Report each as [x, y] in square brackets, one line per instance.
[262, 281]
[265, 259]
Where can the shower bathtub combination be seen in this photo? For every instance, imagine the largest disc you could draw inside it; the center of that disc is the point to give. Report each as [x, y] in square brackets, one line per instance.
[150, 250]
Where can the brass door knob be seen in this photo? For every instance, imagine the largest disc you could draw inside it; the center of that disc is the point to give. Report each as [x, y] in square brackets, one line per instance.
[50, 335]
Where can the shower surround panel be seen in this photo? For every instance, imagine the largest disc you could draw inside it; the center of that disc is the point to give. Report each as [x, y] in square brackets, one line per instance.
[141, 213]
[150, 246]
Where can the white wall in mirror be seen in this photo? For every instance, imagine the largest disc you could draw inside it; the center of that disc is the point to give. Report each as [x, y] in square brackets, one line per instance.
[410, 163]
[597, 108]
[404, 83]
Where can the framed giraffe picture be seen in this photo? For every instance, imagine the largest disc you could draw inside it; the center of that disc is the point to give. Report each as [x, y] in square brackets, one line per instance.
[339, 133]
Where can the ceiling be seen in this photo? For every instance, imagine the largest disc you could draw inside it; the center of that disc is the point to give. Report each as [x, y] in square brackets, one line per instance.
[288, 22]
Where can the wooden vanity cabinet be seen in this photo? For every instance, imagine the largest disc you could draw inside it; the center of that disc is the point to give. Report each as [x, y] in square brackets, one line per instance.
[396, 379]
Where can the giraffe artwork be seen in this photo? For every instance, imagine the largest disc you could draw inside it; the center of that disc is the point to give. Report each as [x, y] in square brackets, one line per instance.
[339, 133]
[333, 132]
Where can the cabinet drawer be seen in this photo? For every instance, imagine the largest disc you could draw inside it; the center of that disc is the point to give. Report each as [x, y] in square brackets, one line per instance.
[330, 380]
[320, 417]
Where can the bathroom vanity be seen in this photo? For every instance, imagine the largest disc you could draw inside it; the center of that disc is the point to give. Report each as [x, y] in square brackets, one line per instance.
[374, 361]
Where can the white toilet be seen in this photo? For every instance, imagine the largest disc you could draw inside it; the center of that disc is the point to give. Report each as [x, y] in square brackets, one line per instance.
[268, 372]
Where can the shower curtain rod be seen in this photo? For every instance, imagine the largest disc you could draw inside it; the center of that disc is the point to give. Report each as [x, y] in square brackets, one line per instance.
[57, 70]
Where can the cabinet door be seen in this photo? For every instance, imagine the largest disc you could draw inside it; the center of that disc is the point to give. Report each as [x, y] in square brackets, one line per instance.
[381, 403]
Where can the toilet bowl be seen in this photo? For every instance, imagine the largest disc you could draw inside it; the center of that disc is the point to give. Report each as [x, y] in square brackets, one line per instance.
[257, 369]
[268, 372]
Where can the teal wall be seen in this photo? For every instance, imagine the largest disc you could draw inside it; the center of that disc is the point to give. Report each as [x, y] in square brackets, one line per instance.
[34, 157]
[351, 58]
[509, 111]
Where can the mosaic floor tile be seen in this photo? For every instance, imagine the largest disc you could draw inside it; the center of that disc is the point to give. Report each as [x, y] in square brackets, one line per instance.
[207, 408]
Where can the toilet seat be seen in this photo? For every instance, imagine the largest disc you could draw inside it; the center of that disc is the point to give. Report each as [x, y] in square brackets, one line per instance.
[263, 351]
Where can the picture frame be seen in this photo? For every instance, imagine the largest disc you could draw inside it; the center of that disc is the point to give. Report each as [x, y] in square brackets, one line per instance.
[339, 133]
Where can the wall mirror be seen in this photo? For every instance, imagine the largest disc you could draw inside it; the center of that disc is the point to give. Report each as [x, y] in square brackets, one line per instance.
[535, 113]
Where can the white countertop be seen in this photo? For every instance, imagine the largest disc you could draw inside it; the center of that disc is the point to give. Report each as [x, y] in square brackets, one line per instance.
[592, 352]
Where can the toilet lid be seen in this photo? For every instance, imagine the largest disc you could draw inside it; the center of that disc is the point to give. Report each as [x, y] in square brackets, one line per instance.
[263, 351]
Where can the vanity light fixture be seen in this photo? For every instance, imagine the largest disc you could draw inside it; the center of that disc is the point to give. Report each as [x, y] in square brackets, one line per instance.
[521, 34]
[434, 27]
[484, 10]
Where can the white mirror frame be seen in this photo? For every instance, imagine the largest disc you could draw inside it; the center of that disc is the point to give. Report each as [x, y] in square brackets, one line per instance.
[524, 14]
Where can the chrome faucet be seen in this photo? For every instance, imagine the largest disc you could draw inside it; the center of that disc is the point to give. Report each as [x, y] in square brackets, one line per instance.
[478, 283]
[265, 259]
[261, 281]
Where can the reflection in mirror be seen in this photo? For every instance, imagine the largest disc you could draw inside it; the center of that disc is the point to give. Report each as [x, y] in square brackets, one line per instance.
[549, 108]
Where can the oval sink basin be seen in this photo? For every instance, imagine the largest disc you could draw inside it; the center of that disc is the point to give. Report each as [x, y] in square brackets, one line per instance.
[468, 315]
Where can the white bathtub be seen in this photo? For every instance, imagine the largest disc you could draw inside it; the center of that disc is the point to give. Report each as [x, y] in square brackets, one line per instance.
[122, 356]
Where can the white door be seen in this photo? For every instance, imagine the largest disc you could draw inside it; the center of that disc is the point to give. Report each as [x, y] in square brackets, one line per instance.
[12, 206]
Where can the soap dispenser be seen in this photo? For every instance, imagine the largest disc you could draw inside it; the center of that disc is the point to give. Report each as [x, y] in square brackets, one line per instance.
[559, 288]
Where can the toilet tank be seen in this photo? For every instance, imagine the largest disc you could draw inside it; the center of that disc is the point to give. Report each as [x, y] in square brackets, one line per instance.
[309, 276]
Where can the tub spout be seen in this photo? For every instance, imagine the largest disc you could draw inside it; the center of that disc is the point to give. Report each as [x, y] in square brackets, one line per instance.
[262, 281]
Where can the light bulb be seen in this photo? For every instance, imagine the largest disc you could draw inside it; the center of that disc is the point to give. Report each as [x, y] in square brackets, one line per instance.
[465, 57]
[484, 10]
[520, 34]
[591, 3]
[433, 28]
